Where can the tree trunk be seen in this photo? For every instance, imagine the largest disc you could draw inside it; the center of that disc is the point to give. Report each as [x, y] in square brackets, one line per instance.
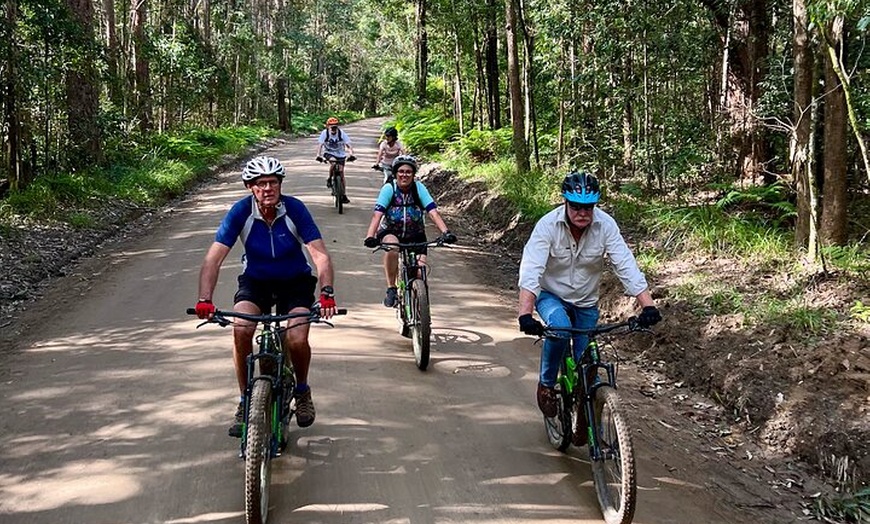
[493, 93]
[833, 224]
[749, 33]
[531, 125]
[115, 80]
[13, 165]
[283, 116]
[801, 150]
[422, 51]
[142, 65]
[82, 92]
[516, 96]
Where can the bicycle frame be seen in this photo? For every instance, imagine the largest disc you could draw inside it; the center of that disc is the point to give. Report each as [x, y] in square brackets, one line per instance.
[585, 394]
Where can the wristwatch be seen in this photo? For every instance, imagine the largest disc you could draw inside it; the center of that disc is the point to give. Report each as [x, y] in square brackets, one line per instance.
[327, 291]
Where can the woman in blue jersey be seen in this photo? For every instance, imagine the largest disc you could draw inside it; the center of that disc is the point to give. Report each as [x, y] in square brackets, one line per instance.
[399, 216]
[273, 228]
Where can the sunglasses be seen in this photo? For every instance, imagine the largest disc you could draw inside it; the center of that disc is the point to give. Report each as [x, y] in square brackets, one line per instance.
[263, 184]
[581, 207]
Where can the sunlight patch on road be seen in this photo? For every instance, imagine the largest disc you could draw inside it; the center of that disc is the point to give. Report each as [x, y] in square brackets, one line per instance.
[78, 483]
[208, 517]
[550, 479]
[341, 508]
[473, 368]
[678, 482]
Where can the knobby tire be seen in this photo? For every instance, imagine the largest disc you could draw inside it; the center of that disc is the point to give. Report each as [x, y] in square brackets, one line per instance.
[422, 327]
[258, 462]
[615, 477]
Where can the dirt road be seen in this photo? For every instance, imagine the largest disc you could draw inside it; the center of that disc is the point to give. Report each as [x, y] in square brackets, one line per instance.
[114, 408]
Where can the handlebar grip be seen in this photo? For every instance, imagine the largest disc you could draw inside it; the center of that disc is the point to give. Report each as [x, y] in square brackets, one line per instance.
[191, 311]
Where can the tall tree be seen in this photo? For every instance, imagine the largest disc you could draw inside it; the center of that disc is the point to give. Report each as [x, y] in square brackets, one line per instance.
[744, 27]
[521, 151]
[490, 47]
[422, 42]
[832, 226]
[801, 143]
[142, 64]
[14, 166]
[82, 90]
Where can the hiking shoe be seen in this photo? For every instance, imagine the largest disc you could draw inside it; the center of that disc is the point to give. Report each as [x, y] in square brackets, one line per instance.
[392, 297]
[547, 401]
[304, 409]
[239, 423]
[345, 200]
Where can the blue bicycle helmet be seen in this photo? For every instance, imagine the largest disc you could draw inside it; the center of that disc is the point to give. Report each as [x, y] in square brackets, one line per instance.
[581, 188]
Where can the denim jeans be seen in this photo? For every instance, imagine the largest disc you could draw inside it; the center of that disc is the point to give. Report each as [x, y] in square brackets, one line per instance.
[554, 312]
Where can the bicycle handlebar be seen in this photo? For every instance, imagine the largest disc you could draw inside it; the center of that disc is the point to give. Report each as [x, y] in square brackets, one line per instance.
[632, 324]
[221, 317]
[387, 246]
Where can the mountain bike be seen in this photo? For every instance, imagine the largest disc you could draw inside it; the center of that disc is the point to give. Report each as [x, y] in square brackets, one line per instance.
[412, 310]
[268, 407]
[335, 181]
[387, 171]
[590, 413]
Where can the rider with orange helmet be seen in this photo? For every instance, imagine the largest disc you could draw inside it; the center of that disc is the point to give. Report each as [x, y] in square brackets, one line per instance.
[335, 143]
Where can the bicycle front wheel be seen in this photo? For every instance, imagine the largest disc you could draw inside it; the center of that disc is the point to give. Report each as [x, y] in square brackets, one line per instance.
[339, 193]
[613, 471]
[258, 459]
[422, 323]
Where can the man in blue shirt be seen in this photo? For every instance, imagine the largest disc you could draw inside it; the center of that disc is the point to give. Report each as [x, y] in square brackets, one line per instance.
[273, 229]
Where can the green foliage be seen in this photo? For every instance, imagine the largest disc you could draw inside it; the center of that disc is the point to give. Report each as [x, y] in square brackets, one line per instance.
[852, 508]
[146, 174]
[711, 229]
[860, 312]
[793, 315]
[426, 131]
[484, 145]
[854, 259]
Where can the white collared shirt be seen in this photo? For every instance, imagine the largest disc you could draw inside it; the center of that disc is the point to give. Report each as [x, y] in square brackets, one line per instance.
[571, 270]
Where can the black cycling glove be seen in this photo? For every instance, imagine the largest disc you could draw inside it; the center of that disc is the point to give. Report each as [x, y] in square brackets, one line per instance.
[530, 326]
[448, 237]
[371, 242]
[649, 317]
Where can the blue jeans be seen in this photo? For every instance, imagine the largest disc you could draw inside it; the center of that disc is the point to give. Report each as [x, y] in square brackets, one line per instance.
[554, 312]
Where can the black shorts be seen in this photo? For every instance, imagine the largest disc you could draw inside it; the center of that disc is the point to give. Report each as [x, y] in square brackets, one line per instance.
[283, 294]
[340, 161]
[413, 238]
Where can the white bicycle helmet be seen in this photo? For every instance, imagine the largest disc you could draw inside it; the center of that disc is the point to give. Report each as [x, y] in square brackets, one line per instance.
[408, 160]
[262, 166]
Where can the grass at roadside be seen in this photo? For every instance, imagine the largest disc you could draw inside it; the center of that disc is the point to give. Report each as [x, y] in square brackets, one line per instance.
[145, 174]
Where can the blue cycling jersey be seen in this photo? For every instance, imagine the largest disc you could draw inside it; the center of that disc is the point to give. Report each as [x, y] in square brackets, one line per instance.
[271, 252]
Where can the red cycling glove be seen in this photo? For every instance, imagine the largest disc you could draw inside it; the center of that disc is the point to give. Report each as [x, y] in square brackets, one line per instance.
[327, 302]
[205, 309]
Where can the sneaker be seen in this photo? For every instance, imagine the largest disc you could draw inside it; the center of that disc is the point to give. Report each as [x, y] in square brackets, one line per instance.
[304, 409]
[547, 401]
[345, 200]
[239, 423]
[392, 297]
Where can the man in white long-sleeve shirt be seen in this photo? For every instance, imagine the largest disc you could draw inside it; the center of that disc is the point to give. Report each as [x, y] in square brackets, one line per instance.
[560, 276]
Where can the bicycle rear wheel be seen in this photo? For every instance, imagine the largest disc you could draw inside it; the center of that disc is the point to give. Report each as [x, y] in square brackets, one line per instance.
[613, 473]
[258, 457]
[422, 325]
[559, 427]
